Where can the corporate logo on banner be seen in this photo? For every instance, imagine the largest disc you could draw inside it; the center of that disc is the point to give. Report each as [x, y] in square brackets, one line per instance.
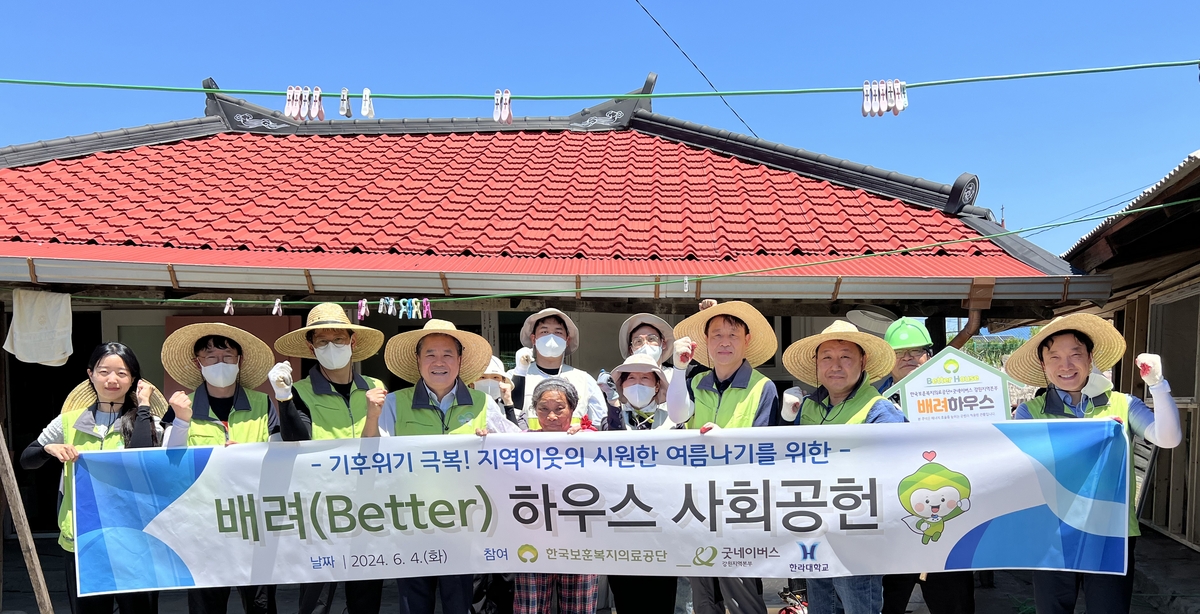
[953, 386]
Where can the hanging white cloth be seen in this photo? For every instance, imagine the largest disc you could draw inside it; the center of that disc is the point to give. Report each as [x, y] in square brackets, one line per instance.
[41, 327]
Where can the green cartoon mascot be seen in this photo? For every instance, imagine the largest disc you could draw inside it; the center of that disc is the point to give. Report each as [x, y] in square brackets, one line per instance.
[933, 495]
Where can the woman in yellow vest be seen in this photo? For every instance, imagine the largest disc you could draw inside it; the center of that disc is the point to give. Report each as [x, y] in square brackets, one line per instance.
[333, 402]
[1061, 357]
[841, 363]
[114, 409]
[441, 360]
[732, 338]
[223, 365]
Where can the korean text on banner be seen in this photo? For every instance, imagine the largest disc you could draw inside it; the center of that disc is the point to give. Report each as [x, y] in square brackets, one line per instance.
[764, 502]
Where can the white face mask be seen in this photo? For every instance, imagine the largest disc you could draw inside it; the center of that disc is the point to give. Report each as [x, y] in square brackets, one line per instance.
[489, 387]
[221, 374]
[653, 351]
[334, 355]
[639, 396]
[550, 346]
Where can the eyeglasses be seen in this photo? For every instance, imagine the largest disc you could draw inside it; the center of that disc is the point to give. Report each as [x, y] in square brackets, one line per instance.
[320, 343]
[638, 342]
[911, 353]
[209, 361]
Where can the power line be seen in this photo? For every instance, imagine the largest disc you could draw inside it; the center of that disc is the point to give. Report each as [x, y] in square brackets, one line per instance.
[694, 65]
[1095, 208]
[668, 282]
[783, 92]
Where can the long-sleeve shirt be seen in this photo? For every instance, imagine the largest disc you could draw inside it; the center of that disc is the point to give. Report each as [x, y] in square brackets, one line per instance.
[295, 418]
[35, 455]
[1160, 426]
[681, 398]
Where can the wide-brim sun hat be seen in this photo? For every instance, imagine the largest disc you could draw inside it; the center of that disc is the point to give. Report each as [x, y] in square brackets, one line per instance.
[178, 354]
[1108, 347]
[640, 363]
[572, 330]
[496, 367]
[800, 359]
[763, 343]
[647, 319]
[401, 352]
[330, 316]
[84, 396]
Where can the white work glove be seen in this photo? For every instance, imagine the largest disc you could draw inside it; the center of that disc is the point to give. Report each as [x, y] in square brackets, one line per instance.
[684, 349]
[1097, 384]
[524, 360]
[791, 404]
[608, 387]
[1150, 368]
[280, 377]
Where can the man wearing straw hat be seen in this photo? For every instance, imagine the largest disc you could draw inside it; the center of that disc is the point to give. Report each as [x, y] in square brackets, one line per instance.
[732, 338]
[1060, 357]
[441, 360]
[841, 362]
[549, 336]
[223, 365]
[333, 402]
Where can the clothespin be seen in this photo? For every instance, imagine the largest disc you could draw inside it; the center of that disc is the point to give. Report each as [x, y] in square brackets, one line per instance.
[891, 97]
[685, 284]
[363, 310]
[317, 111]
[291, 99]
[506, 115]
[382, 310]
[368, 105]
[344, 104]
[391, 306]
[305, 103]
[403, 308]
[903, 97]
[866, 98]
[229, 306]
[496, 106]
[426, 311]
[277, 310]
[414, 308]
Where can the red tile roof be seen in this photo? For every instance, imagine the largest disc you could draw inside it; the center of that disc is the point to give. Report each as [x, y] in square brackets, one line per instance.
[596, 196]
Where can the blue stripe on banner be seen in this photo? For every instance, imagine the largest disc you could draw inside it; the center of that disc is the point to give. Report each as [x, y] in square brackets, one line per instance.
[1035, 537]
[110, 540]
[123, 559]
[1083, 460]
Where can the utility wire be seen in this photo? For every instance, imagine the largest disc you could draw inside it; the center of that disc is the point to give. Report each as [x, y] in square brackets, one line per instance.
[1096, 208]
[784, 92]
[672, 281]
[694, 65]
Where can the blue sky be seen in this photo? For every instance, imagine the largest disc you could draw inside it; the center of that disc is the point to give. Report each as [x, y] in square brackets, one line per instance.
[1042, 148]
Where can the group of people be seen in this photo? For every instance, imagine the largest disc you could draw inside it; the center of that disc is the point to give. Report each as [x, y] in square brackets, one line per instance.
[711, 383]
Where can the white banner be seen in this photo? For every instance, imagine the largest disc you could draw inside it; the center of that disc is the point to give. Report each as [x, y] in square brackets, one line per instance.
[761, 502]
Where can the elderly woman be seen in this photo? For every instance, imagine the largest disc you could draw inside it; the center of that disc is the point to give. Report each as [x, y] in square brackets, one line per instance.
[109, 411]
[554, 401]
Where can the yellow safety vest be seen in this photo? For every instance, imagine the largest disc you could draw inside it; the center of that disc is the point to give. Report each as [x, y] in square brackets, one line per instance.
[417, 413]
[248, 420]
[853, 410]
[332, 417]
[736, 407]
[79, 430]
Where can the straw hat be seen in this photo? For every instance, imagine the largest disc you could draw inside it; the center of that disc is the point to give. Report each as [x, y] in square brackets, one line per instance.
[84, 396]
[572, 330]
[647, 319]
[640, 363]
[178, 354]
[401, 352]
[330, 316]
[800, 359]
[763, 343]
[1108, 348]
[496, 367]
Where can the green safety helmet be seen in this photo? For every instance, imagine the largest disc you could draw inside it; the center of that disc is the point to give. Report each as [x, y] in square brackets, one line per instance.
[907, 333]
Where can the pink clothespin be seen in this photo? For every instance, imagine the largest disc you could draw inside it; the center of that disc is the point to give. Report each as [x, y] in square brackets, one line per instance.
[363, 310]
[403, 308]
[229, 306]
[426, 311]
[277, 310]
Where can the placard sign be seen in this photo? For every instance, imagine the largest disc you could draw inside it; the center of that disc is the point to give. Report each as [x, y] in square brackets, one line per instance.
[953, 386]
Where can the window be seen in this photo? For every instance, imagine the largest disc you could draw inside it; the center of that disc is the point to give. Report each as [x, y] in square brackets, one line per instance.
[1174, 333]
